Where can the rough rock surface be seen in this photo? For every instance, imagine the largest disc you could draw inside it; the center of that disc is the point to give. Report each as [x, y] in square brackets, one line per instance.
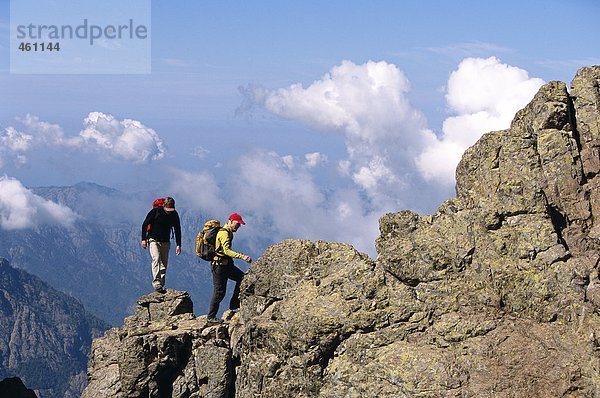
[495, 295]
[161, 351]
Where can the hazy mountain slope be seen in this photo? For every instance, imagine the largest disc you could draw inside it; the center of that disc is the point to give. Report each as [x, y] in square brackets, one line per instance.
[45, 335]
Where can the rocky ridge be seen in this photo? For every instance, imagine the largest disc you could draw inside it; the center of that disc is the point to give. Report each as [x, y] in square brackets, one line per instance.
[497, 294]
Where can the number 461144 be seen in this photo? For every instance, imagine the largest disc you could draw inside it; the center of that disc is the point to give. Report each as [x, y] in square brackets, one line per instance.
[39, 46]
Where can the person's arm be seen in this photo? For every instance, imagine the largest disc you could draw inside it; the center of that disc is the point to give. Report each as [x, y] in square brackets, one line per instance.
[147, 221]
[177, 227]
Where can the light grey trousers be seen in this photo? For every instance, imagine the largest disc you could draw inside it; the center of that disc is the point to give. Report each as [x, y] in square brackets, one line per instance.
[159, 251]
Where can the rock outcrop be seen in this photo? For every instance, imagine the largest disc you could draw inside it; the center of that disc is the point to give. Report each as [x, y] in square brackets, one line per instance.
[495, 295]
[161, 351]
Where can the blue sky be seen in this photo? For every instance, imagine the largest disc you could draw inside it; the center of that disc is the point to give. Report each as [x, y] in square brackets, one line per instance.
[312, 117]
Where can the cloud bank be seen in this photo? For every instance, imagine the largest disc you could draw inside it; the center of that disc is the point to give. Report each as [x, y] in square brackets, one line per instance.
[279, 197]
[20, 208]
[390, 147]
[198, 190]
[282, 199]
[367, 104]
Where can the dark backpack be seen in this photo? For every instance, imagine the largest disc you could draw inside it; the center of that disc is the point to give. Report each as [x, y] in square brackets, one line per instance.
[206, 240]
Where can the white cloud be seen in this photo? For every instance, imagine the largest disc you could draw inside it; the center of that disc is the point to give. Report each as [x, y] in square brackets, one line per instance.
[12, 145]
[370, 175]
[491, 86]
[284, 202]
[127, 139]
[485, 94]
[313, 159]
[20, 208]
[344, 167]
[366, 101]
[197, 190]
[289, 161]
[200, 152]
[12, 140]
[47, 134]
[367, 104]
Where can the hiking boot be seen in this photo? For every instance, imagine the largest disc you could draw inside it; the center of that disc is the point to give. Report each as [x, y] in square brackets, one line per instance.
[212, 319]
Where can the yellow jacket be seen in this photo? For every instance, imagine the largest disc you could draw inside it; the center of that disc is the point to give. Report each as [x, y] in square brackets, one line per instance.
[223, 244]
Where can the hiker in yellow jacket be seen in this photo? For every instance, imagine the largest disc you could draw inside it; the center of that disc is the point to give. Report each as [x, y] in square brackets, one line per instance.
[224, 269]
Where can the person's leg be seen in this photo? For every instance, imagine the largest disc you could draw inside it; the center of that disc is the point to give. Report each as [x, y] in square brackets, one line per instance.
[235, 274]
[219, 289]
[163, 248]
[156, 264]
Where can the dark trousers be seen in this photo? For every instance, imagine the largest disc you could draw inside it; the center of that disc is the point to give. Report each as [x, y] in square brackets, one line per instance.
[221, 274]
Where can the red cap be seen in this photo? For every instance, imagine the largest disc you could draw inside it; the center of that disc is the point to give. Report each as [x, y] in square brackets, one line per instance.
[236, 217]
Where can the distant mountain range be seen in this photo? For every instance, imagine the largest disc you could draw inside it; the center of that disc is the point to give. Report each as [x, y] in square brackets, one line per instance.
[45, 335]
[100, 261]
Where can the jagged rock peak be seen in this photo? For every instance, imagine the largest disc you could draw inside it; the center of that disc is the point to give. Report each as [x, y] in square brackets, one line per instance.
[162, 350]
[545, 163]
[508, 270]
